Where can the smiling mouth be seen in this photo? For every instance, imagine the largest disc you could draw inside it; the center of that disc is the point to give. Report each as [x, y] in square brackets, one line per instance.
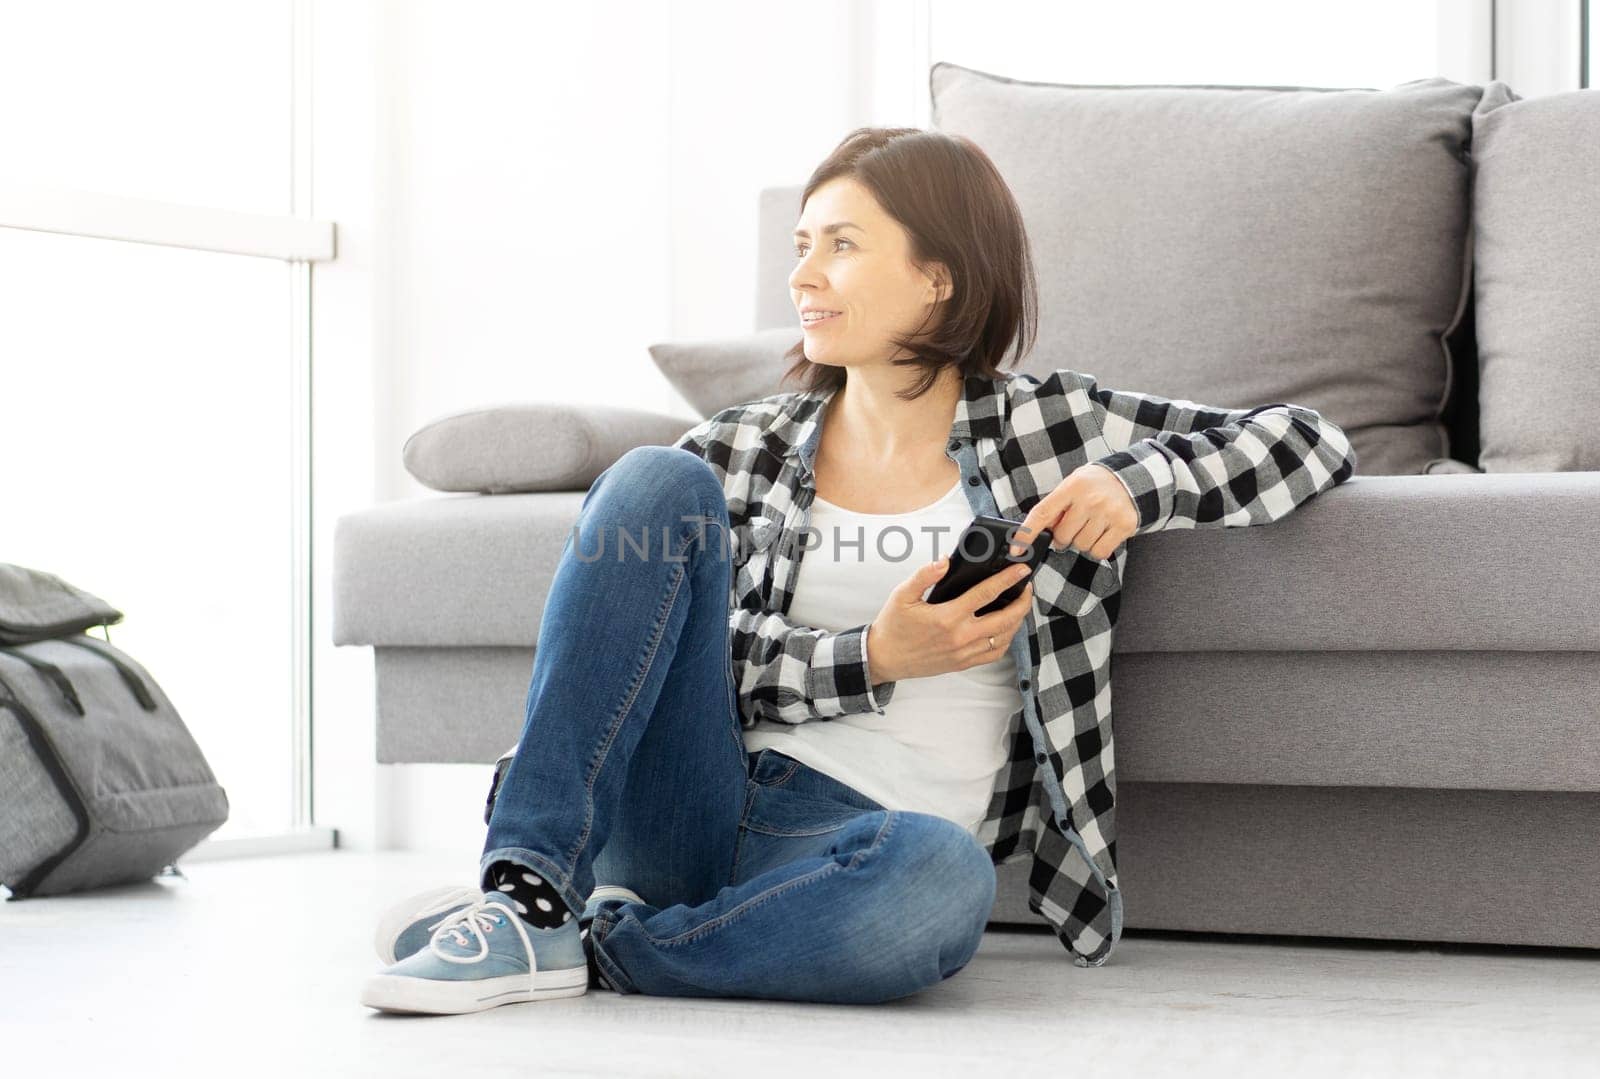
[819, 321]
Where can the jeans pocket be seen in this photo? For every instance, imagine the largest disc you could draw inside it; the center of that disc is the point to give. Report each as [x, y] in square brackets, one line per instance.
[777, 811]
[773, 769]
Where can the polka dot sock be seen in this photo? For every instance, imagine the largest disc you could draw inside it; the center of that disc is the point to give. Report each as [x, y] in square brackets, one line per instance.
[535, 898]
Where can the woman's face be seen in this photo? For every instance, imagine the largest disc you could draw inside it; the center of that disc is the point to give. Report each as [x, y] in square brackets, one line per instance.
[861, 270]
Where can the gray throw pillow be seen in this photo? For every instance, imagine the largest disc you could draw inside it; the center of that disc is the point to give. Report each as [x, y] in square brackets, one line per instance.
[531, 447]
[713, 373]
[1241, 245]
[1536, 206]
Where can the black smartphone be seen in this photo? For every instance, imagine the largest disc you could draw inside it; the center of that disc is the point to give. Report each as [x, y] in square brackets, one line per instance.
[984, 550]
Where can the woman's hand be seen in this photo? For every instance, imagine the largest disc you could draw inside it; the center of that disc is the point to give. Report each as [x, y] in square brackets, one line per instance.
[911, 638]
[1089, 510]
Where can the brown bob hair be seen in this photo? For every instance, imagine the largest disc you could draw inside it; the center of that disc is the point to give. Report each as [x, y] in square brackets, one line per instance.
[956, 209]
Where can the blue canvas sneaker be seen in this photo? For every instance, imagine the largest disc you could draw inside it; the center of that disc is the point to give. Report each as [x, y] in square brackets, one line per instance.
[481, 957]
[406, 927]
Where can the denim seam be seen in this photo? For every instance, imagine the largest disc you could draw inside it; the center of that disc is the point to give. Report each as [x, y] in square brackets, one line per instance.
[750, 789]
[767, 829]
[890, 819]
[778, 889]
[619, 981]
[604, 749]
[788, 774]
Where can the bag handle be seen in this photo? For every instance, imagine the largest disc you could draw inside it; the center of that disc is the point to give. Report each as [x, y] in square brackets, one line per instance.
[52, 672]
[134, 683]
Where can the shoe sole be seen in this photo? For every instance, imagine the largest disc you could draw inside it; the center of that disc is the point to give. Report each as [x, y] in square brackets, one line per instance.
[604, 892]
[424, 996]
[435, 901]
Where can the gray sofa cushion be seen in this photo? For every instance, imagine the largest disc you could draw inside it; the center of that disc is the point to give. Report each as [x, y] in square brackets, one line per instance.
[1243, 245]
[531, 447]
[1536, 205]
[1378, 564]
[713, 373]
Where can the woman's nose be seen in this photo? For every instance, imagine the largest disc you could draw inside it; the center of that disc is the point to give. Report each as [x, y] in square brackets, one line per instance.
[801, 273]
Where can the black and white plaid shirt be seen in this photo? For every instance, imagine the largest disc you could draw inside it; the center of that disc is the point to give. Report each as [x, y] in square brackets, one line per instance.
[1015, 439]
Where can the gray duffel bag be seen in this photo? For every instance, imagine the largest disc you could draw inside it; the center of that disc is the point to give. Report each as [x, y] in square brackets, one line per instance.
[100, 781]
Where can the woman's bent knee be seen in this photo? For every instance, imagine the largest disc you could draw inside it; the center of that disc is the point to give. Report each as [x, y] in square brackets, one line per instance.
[944, 889]
[969, 878]
[665, 463]
[663, 479]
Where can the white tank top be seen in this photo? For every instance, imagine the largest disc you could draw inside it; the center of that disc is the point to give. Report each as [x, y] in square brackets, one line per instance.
[941, 740]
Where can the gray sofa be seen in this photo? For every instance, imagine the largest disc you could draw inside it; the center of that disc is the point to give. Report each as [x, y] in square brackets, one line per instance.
[1376, 718]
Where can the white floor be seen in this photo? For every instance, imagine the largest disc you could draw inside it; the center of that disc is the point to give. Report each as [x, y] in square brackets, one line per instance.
[254, 965]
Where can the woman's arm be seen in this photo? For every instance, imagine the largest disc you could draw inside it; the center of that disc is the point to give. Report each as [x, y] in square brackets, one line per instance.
[794, 673]
[1189, 465]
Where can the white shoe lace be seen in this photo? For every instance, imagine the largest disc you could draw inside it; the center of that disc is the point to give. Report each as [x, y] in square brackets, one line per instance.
[479, 919]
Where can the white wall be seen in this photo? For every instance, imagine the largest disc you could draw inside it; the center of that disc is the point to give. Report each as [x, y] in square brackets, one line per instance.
[527, 196]
[569, 184]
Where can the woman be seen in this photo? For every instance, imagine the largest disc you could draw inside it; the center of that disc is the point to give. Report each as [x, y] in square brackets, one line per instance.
[798, 788]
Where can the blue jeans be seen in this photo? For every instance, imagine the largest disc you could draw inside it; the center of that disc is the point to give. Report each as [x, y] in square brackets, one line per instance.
[761, 877]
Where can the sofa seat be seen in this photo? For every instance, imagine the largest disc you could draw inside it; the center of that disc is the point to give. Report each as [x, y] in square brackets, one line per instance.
[1335, 647]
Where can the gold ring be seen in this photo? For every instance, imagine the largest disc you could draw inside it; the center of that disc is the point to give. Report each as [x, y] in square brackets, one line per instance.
[991, 642]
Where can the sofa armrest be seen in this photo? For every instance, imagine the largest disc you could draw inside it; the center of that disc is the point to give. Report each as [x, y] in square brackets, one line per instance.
[545, 446]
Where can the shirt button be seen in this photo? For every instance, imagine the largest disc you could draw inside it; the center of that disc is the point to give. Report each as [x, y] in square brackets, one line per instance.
[1026, 683]
[1039, 759]
[972, 481]
[955, 445]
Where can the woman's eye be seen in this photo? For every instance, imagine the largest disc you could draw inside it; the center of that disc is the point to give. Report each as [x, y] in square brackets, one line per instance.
[799, 251]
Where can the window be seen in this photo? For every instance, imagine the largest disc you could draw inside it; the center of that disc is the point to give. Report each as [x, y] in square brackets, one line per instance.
[177, 100]
[147, 399]
[154, 357]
